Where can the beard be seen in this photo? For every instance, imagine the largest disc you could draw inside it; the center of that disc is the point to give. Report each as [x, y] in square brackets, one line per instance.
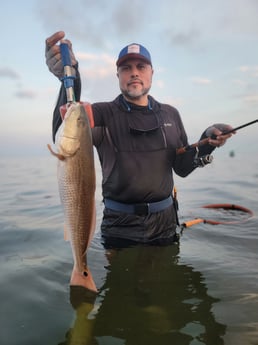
[135, 93]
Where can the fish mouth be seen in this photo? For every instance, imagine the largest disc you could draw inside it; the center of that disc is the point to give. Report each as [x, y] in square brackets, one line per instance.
[69, 137]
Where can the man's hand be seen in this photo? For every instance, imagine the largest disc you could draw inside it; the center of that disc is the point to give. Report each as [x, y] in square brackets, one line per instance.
[53, 55]
[215, 133]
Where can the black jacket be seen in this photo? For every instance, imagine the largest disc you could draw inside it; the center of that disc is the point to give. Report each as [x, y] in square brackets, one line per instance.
[137, 147]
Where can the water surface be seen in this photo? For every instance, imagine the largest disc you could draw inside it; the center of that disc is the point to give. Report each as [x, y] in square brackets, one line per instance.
[201, 291]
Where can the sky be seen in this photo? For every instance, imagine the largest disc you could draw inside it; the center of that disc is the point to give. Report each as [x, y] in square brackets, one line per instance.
[204, 54]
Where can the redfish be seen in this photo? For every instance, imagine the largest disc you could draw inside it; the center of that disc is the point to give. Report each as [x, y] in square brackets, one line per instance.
[76, 182]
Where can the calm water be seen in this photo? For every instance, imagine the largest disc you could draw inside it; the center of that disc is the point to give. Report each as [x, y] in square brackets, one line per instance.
[202, 291]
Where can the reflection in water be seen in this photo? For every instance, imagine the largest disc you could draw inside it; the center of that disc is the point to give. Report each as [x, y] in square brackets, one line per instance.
[148, 297]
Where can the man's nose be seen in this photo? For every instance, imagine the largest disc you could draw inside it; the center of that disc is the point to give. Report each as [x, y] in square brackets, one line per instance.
[134, 71]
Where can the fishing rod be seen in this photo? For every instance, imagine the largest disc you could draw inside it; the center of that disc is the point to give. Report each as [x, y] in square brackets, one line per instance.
[206, 140]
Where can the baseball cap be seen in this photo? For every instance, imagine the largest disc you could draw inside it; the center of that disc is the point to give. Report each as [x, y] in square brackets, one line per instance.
[133, 50]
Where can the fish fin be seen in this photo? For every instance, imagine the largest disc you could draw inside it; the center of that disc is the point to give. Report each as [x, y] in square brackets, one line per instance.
[92, 225]
[58, 155]
[66, 234]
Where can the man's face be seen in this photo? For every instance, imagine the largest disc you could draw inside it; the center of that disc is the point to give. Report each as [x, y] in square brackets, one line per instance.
[135, 78]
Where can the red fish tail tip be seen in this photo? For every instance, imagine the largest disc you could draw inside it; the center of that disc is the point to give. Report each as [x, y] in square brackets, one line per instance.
[84, 279]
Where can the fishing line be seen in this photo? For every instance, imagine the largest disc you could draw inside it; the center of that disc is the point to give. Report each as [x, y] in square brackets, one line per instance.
[222, 214]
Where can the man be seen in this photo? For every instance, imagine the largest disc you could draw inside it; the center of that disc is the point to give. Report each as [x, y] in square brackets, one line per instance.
[136, 138]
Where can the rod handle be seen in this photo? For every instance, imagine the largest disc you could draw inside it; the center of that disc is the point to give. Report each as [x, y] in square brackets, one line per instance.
[68, 78]
[65, 54]
[193, 222]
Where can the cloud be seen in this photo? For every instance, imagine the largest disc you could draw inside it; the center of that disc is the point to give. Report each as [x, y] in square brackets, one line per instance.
[239, 82]
[196, 24]
[244, 69]
[98, 74]
[200, 80]
[180, 23]
[251, 98]
[185, 37]
[95, 23]
[240, 17]
[6, 72]
[95, 58]
[96, 66]
[251, 70]
[128, 16]
[221, 29]
[25, 94]
[160, 84]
